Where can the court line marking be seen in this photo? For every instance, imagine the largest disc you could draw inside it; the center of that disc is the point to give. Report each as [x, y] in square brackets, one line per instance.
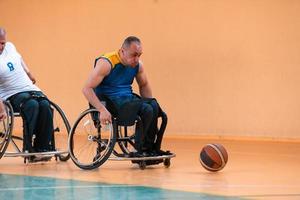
[235, 186]
[261, 153]
[269, 195]
[124, 186]
[68, 187]
[182, 185]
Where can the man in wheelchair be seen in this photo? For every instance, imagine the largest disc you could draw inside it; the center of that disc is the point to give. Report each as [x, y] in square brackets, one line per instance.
[112, 77]
[17, 86]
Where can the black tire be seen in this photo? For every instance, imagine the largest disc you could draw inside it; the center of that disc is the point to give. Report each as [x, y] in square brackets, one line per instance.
[167, 162]
[6, 127]
[90, 145]
[142, 164]
[62, 128]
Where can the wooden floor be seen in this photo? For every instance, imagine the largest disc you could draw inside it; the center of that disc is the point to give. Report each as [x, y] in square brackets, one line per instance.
[255, 170]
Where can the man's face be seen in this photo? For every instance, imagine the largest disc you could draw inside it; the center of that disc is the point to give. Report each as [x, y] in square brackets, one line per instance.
[132, 54]
[2, 43]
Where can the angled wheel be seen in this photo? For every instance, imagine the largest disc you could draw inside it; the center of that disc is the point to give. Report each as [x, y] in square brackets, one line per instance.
[6, 127]
[61, 128]
[126, 139]
[90, 144]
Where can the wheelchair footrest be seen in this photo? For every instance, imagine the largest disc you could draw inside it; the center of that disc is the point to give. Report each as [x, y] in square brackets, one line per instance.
[41, 158]
[143, 158]
[148, 162]
[26, 154]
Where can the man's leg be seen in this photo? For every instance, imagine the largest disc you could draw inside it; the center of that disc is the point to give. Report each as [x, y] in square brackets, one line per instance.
[152, 131]
[140, 127]
[146, 114]
[44, 128]
[138, 140]
[155, 136]
[29, 109]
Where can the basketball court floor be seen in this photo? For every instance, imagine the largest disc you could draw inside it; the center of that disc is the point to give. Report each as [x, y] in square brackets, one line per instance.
[255, 170]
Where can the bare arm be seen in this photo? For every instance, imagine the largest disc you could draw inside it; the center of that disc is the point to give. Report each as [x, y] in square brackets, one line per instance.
[101, 70]
[26, 69]
[143, 83]
[2, 111]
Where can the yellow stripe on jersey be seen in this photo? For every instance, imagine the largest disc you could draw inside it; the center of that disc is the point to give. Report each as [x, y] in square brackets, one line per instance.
[113, 57]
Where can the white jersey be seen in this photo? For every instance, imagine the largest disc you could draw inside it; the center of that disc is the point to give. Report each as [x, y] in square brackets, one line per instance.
[13, 78]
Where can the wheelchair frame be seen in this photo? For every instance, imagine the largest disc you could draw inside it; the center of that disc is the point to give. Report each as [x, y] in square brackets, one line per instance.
[106, 146]
[8, 137]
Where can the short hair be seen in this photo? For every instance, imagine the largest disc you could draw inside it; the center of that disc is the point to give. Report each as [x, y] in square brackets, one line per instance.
[127, 42]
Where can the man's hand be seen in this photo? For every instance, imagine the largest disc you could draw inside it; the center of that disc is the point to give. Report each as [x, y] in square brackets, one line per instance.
[105, 116]
[2, 115]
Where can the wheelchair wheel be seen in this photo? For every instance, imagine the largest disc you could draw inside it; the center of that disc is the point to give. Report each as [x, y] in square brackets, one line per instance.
[90, 144]
[142, 164]
[6, 127]
[61, 132]
[127, 145]
[167, 162]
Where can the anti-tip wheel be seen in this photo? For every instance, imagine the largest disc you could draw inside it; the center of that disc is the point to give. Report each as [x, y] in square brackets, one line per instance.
[167, 162]
[142, 165]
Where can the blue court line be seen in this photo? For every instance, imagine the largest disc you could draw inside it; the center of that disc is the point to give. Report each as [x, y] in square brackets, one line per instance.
[17, 187]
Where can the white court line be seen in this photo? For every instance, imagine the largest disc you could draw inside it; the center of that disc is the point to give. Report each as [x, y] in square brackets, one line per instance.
[68, 187]
[234, 186]
[270, 195]
[268, 154]
[128, 186]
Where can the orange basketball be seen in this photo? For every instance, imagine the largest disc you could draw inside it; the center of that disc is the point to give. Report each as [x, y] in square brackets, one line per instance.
[213, 157]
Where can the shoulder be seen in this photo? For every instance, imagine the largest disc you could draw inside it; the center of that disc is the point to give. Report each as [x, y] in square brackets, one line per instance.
[10, 46]
[102, 67]
[112, 57]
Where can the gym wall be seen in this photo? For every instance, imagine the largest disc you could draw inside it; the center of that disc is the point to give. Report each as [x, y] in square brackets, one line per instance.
[218, 67]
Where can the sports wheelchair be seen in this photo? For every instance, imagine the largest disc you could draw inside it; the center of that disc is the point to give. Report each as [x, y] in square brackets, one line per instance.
[91, 143]
[59, 140]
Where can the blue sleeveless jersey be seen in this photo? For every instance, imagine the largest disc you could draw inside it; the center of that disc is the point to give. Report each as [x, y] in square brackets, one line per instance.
[118, 82]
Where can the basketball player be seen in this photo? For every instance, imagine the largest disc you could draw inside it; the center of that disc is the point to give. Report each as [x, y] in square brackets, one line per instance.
[113, 76]
[17, 86]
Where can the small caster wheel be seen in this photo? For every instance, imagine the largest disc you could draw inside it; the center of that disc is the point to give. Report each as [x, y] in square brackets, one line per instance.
[167, 162]
[142, 165]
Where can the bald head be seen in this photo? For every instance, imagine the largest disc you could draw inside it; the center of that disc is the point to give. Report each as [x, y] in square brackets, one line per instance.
[129, 40]
[2, 39]
[131, 51]
[2, 32]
